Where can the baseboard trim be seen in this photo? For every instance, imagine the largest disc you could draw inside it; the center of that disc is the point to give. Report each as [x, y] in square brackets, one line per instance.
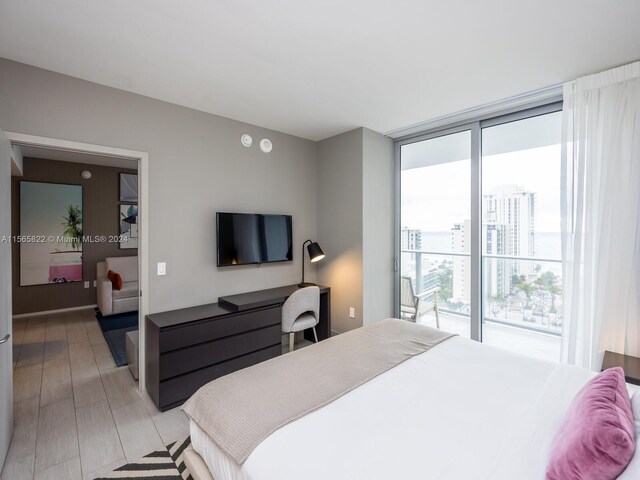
[49, 312]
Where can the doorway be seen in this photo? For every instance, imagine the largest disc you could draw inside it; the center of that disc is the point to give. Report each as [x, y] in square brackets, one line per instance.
[119, 158]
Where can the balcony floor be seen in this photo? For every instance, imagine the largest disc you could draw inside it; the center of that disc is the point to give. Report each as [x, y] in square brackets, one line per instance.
[525, 342]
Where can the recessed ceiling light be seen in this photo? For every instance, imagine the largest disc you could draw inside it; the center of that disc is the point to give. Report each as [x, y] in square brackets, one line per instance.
[246, 140]
[265, 145]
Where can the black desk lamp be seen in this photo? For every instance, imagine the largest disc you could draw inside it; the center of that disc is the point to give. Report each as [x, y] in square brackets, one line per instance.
[315, 254]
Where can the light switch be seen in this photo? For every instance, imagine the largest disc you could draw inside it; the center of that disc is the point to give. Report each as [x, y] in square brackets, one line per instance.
[352, 312]
[162, 268]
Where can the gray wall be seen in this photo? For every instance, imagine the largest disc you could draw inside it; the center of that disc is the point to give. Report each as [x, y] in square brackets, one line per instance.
[355, 225]
[197, 167]
[377, 226]
[338, 190]
[340, 225]
[100, 205]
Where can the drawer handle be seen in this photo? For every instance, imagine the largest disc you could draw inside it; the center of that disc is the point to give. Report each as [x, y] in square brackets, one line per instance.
[5, 339]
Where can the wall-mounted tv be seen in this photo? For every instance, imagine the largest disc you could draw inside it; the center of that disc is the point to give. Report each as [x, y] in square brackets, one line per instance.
[251, 238]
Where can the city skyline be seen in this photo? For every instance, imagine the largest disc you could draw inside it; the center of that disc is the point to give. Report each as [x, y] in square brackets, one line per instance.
[520, 223]
[509, 214]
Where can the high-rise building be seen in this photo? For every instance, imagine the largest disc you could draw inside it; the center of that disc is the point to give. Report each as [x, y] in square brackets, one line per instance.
[410, 239]
[430, 276]
[424, 268]
[497, 273]
[514, 207]
[461, 243]
[508, 228]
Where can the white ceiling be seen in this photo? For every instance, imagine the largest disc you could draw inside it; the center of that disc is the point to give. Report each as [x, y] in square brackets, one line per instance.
[314, 69]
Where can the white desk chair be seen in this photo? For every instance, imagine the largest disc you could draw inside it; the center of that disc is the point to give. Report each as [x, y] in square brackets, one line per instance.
[300, 312]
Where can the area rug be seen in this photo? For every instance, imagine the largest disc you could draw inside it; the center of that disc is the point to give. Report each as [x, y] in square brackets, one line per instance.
[114, 329]
[162, 465]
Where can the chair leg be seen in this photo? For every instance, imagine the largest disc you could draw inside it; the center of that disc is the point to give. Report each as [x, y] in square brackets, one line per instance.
[291, 340]
[315, 335]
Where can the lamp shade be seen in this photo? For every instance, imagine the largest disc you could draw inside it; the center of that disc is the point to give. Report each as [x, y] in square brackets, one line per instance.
[315, 252]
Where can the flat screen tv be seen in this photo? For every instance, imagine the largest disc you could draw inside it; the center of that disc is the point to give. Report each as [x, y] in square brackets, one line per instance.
[251, 238]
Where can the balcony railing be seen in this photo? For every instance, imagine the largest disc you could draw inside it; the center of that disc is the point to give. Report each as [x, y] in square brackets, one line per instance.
[517, 291]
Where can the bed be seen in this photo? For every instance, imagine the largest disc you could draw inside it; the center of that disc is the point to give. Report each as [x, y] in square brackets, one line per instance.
[460, 410]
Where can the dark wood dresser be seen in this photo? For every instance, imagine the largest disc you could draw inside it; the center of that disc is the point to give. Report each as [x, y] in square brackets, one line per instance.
[187, 348]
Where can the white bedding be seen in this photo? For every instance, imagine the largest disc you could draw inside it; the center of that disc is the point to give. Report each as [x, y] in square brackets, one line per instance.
[459, 411]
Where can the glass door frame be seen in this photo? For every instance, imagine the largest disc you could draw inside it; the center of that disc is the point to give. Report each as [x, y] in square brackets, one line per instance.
[475, 127]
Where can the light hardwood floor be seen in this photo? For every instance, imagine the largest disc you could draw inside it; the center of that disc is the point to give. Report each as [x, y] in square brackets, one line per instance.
[77, 415]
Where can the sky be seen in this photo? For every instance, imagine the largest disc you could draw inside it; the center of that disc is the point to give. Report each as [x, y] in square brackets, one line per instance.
[436, 177]
[435, 197]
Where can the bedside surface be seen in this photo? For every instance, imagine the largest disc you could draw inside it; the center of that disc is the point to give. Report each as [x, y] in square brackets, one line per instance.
[630, 365]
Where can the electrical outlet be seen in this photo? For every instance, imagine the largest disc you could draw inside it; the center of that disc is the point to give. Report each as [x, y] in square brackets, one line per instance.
[352, 312]
[86, 284]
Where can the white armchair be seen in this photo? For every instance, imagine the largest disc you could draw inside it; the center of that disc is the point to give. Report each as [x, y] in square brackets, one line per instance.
[111, 301]
[413, 306]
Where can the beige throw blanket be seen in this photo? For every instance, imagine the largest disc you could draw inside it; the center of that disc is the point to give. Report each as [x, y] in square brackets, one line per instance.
[240, 410]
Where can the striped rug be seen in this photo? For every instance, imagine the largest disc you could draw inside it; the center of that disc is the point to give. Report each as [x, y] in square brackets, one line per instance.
[162, 465]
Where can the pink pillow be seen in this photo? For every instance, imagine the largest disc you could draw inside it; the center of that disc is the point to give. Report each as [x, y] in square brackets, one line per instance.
[596, 439]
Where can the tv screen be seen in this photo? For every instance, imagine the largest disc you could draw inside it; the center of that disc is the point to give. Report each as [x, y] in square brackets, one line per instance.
[249, 238]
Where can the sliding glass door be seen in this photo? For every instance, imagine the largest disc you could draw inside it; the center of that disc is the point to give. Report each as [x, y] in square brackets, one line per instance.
[521, 259]
[479, 231]
[435, 228]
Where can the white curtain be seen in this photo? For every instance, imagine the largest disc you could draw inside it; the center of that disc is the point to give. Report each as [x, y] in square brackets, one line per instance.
[601, 216]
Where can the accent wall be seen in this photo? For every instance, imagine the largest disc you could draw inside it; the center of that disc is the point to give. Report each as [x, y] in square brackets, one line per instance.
[100, 210]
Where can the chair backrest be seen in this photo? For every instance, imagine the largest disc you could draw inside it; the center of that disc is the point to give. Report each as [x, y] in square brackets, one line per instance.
[407, 297]
[305, 300]
[101, 269]
[127, 267]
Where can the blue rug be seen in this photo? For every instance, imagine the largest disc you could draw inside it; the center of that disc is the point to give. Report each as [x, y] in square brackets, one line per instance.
[115, 328]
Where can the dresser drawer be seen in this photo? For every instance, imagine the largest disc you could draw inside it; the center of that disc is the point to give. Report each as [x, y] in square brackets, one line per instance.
[180, 336]
[178, 389]
[202, 355]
